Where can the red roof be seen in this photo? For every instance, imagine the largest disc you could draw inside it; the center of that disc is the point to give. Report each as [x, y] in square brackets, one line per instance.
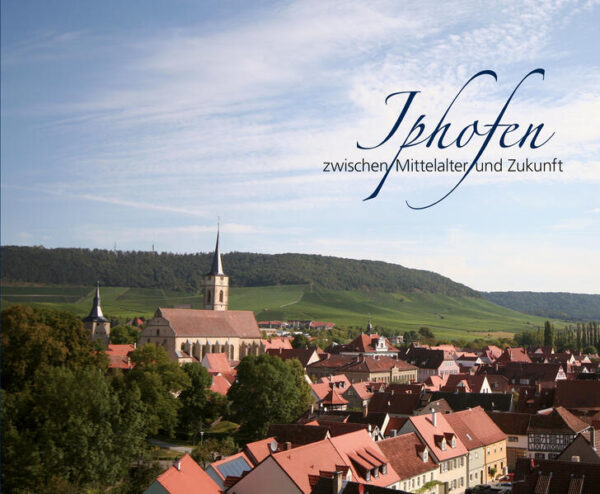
[367, 343]
[189, 478]
[404, 453]
[333, 398]
[469, 383]
[259, 450]
[118, 356]
[514, 355]
[580, 395]
[220, 385]
[217, 362]
[424, 425]
[475, 428]
[273, 343]
[211, 323]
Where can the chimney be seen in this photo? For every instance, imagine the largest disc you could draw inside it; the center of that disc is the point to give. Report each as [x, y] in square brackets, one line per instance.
[336, 485]
[365, 410]
[288, 445]
[177, 465]
[593, 438]
[434, 417]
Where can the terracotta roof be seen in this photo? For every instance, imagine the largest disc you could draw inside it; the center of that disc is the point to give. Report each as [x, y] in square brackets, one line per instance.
[188, 479]
[220, 385]
[218, 362]
[118, 356]
[298, 434]
[426, 358]
[514, 355]
[362, 390]
[434, 383]
[472, 383]
[257, 451]
[578, 394]
[333, 398]
[240, 460]
[211, 323]
[394, 424]
[406, 388]
[428, 432]
[404, 454]
[480, 427]
[581, 448]
[533, 372]
[282, 342]
[367, 343]
[511, 423]
[337, 379]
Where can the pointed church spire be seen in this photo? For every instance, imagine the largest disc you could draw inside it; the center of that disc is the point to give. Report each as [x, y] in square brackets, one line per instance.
[217, 265]
[369, 328]
[96, 312]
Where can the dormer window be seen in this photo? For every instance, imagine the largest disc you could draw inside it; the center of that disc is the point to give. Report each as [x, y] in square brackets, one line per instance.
[384, 469]
[368, 476]
[453, 443]
[425, 456]
[443, 444]
[376, 472]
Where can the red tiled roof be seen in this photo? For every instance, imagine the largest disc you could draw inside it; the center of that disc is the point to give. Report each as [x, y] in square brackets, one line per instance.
[514, 355]
[398, 404]
[480, 427]
[216, 465]
[211, 323]
[304, 355]
[257, 451]
[220, 385]
[188, 479]
[118, 356]
[403, 453]
[282, 342]
[473, 382]
[424, 425]
[218, 362]
[367, 343]
[333, 398]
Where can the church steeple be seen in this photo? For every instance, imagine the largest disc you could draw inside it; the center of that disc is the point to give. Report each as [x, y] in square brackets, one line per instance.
[96, 312]
[217, 264]
[97, 325]
[216, 284]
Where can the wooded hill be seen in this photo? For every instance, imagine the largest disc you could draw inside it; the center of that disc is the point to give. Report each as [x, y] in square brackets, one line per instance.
[69, 266]
[570, 306]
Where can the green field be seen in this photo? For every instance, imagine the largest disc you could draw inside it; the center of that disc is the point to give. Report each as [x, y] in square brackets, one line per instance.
[448, 317]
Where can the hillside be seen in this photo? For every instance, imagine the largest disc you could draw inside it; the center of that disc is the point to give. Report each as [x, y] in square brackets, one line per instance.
[568, 306]
[449, 317]
[184, 271]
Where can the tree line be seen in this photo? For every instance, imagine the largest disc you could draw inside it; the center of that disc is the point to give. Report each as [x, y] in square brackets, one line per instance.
[70, 266]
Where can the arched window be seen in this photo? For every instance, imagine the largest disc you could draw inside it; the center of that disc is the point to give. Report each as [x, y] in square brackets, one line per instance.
[221, 296]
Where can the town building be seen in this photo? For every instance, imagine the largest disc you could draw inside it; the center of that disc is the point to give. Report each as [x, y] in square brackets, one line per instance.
[431, 362]
[95, 323]
[184, 477]
[189, 335]
[446, 449]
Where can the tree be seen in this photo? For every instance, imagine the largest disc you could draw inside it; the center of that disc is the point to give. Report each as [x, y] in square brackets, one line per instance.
[548, 334]
[36, 339]
[268, 390]
[159, 379]
[194, 398]
[300, 341]
[426, 333]
[590, 350]
[208, 451]
[69, 429]
[124, 334]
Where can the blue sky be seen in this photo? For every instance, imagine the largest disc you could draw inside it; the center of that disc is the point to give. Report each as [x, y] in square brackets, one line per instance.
[139, 123]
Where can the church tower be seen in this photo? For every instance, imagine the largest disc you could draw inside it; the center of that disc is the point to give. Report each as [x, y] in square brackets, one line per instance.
[97, 325]
[216, 284]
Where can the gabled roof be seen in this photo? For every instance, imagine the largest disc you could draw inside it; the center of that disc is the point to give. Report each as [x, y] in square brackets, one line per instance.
[469, 383]
[426, 358]
[304, 355]
[511, 423]
[533, 372]
[189, 478]
[275, 343]
[582, 449]
[333, 398]
[211, 323]
[365, 343]
[431, 435]
[362, 390]
[232, 466]
[476, 426]
[404, 453]
[514, 355]
[556, 421]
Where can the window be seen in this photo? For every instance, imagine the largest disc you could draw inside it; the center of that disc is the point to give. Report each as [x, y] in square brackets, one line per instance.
[208, 296]
[460, 482]
[158, 332]
[221, 296]
[512, 439]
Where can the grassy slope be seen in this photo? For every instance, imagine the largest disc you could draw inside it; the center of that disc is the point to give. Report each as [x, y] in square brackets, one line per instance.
[451, 317]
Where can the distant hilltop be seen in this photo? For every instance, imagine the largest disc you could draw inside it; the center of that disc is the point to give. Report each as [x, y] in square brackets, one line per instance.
[73, 266]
